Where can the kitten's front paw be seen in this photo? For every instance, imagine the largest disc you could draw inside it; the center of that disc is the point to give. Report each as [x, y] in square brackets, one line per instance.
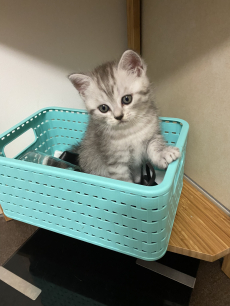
[168, 155]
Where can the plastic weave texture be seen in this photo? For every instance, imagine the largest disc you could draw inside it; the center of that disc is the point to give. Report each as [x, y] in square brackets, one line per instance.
[132, 219]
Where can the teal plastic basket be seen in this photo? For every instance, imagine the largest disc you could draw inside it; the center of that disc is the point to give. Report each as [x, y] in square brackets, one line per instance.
[125, 217]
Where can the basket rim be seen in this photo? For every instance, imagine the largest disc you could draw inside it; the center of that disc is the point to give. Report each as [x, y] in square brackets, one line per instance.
[95, 180]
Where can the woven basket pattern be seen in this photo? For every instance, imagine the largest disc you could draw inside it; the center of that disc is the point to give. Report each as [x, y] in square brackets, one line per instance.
[128, 218]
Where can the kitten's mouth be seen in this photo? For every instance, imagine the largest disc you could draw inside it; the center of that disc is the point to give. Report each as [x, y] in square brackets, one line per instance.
[122, 121]
[123, 124]
[119, 124]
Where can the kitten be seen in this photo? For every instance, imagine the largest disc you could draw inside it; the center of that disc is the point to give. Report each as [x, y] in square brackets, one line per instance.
[123, 129]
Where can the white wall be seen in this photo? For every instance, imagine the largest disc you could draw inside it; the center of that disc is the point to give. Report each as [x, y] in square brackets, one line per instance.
[41, 42]
[186, 45]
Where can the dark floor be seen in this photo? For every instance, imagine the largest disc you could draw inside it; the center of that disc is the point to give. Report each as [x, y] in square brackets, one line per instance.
[212, 285]
[12, 235]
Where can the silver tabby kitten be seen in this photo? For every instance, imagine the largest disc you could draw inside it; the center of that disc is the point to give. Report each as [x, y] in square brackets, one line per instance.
[123, 128]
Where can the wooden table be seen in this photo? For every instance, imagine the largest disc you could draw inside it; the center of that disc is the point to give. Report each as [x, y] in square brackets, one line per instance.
[201, 229]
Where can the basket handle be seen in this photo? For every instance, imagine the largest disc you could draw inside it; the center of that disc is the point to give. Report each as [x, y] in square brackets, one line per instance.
[15, 132]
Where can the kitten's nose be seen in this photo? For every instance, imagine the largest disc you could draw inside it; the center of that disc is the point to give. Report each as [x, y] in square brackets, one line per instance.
[119, 117]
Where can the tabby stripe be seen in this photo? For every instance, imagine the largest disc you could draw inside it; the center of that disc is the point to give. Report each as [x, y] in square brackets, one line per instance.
[143, 92]
[114, 163]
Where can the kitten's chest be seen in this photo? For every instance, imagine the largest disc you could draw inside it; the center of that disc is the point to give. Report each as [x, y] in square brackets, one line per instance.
[130, 145]
[129, 148]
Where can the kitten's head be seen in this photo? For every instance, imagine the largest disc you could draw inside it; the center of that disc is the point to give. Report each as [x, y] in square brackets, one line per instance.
[114, 93]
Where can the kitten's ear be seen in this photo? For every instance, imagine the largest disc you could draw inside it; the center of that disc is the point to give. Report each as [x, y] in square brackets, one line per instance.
[132, 63]
[81, 82]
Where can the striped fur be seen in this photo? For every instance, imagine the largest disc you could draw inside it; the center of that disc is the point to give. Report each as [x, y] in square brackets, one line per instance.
[117, 148]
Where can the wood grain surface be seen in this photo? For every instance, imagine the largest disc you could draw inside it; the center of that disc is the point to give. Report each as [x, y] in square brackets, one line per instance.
[201, 230]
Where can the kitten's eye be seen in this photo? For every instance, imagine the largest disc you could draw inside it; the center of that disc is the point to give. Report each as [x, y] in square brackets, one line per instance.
[127, 99]
[103, 108]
